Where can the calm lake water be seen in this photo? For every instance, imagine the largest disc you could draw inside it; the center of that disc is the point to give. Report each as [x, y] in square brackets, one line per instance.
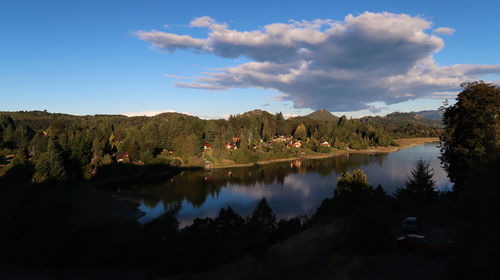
[291, 188]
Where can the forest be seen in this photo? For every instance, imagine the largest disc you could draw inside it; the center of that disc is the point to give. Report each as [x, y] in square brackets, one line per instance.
[66, 147]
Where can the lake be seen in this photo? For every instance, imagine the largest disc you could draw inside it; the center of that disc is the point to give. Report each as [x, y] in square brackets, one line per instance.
[291, 188]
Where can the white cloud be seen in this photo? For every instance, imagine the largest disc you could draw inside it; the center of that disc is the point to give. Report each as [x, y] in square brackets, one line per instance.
[146, 113]
[336, 65]
[444, 31]
[171, 42]
[214, 117]
[202, 22]
[178, 77]
[152, 113]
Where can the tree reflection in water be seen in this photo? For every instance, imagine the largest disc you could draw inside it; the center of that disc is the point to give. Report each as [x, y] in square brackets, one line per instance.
[292, 188]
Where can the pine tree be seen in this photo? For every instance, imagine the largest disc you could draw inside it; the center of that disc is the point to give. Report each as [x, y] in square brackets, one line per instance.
[420, 188]
[266, 130]
[263, 218]
[300, 132]
[56, 161]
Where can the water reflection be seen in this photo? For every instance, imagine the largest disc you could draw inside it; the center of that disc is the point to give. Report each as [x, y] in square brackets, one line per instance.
[291, 188]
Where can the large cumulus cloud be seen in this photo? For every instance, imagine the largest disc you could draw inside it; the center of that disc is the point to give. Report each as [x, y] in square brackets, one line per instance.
[338, 65]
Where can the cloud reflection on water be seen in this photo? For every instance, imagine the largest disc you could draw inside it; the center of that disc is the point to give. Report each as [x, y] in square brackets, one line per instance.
[290, 191]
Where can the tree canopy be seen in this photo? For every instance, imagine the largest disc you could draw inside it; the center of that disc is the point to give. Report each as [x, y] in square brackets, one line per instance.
[471, 136]
[420, 187]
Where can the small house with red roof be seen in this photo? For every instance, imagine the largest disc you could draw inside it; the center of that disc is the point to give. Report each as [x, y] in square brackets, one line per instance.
[297, 144]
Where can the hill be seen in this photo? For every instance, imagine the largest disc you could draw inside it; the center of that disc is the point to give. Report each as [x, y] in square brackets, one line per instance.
[322, 115]
[402, 118]
[430, 114]
[256, 113]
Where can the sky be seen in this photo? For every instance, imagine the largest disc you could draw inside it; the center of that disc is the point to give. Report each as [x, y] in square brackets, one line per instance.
[216, 58]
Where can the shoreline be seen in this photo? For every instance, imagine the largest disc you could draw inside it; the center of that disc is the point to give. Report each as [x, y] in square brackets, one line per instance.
[404, 143]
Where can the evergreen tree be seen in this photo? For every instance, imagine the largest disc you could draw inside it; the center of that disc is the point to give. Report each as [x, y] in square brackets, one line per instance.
[300, 132]
[228, 221]
[266, 130]
[420, 188]
[56, 161]
[342, 120]
[263, 218]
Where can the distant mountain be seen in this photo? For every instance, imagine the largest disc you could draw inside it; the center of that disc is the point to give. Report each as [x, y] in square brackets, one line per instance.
[322, 115]
[431, 114]
[400, 118]
[256, 113]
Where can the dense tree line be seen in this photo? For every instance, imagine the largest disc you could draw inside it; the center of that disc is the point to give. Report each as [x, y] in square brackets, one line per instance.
[61, 147]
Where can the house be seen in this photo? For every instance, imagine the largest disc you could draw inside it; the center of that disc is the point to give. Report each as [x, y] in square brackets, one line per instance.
[207, 146]
[282, 138]
[297, 144]
[325, 144]
[120, 157]
[236, 139]
[45, 133]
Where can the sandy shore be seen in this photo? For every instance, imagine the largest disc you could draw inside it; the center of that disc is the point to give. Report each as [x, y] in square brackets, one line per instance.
[404, 143]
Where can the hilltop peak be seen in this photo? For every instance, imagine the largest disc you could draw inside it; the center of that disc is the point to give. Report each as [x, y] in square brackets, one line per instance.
[322, 115]
[256, 112]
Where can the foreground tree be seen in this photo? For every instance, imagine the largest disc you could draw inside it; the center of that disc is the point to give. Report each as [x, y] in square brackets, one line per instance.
[263, 218]
[420, 184]
[352, 183]
[420, 188]
[471, 156]
[471, 136]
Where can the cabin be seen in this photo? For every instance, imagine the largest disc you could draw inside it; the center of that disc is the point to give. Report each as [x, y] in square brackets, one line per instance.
[282, 138]
[297, 144]
[325, 144]
[120, 157]
[207, 146]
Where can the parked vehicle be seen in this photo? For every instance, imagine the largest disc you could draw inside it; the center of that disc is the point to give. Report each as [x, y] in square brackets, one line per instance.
[411, 224]
[419, 244]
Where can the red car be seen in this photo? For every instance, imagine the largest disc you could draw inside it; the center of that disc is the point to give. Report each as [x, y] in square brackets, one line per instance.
[419, 244]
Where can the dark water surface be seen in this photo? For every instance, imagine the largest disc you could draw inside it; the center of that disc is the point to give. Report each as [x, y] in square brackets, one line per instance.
[291, 188]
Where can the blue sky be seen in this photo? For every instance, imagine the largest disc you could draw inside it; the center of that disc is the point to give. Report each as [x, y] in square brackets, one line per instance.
[89, 57]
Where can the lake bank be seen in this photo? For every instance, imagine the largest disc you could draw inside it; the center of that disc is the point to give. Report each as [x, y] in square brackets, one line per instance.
[292, 188]
[403, 143]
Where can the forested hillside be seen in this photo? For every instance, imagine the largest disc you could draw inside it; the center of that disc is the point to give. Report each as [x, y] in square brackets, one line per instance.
[60, 146]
